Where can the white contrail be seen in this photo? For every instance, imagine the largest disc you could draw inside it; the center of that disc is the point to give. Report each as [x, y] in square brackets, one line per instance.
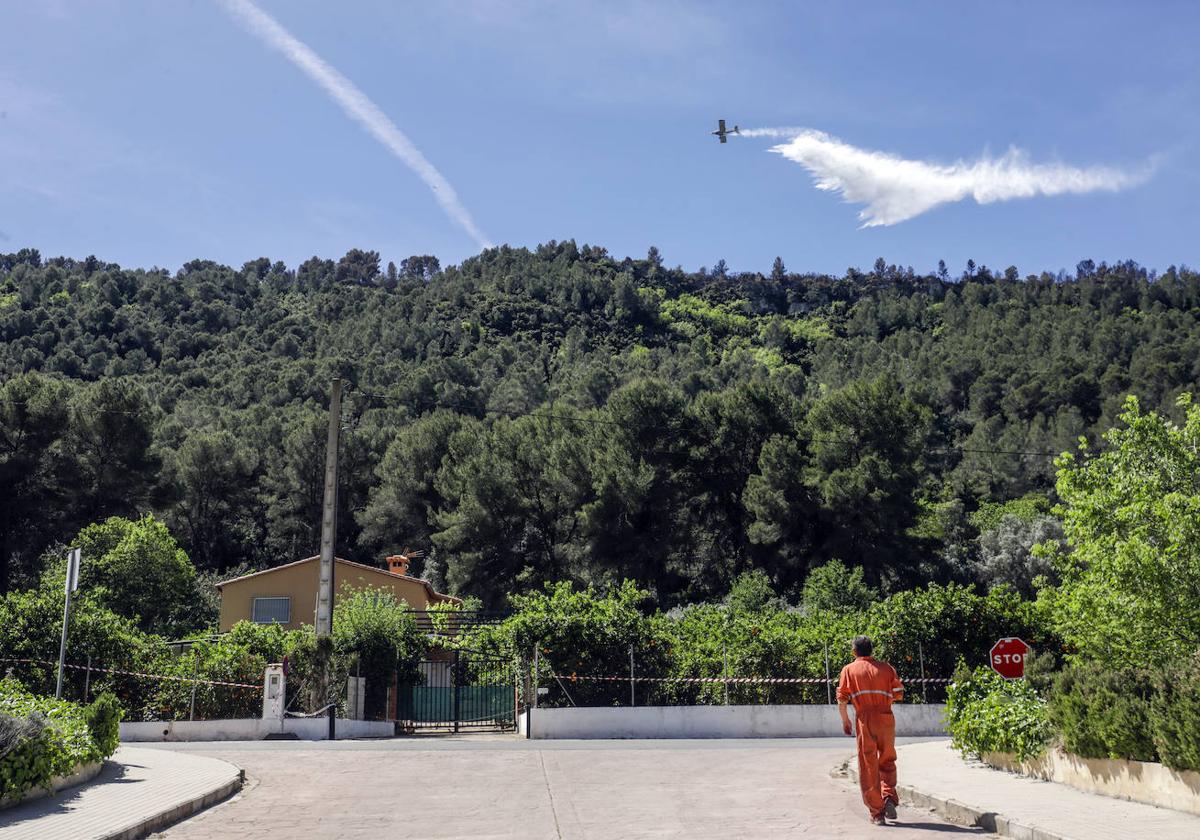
[895, 189]
[356, 105]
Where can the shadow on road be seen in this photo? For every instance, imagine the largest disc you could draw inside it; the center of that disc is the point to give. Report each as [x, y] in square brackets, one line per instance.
[941, 828]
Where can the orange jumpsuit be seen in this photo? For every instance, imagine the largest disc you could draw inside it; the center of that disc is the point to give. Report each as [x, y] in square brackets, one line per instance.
[871, 686]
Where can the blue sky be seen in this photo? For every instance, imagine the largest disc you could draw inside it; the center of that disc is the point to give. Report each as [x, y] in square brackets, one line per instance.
[151, 133]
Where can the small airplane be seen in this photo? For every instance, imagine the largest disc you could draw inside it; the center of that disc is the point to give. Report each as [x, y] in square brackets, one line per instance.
[722, 132]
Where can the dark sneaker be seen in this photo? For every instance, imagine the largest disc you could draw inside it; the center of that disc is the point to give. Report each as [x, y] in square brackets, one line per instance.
[889, 808]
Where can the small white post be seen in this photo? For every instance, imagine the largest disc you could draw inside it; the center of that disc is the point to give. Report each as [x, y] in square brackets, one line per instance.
[356, 696]
[274, 693]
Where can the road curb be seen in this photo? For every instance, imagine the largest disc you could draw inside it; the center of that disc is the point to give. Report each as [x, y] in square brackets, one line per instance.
[963, 814]
[180, 811]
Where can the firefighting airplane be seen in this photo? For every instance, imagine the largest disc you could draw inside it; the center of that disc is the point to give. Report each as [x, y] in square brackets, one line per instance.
[722, 132]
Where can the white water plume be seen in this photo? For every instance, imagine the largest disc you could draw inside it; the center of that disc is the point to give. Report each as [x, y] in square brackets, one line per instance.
[356, 106]
[895, 189]
[770, 132]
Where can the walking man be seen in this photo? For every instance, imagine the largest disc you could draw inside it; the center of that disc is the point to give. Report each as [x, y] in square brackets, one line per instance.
[872, 687]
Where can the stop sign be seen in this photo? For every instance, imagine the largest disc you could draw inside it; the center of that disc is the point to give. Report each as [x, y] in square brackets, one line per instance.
[1007, 657]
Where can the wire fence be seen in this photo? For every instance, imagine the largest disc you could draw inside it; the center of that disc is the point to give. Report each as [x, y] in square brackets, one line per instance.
[654, 687]
[591, 690]
[144, 695]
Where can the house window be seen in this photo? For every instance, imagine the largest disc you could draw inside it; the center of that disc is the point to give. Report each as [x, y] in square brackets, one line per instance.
[271, 610]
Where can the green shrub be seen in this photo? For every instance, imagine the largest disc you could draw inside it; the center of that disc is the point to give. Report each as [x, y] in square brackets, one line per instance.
[136, 569]
[55, 741]
[1175, 715]
[987, 713]
[103, 718]
[834, 587]
[1103, 713]
[377, 632]
[31, 627]
[752, 591]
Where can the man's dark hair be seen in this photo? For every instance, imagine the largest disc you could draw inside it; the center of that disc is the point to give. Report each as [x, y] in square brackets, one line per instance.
[863, 646]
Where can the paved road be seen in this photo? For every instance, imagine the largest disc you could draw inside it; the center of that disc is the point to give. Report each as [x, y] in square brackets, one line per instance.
[482, 787]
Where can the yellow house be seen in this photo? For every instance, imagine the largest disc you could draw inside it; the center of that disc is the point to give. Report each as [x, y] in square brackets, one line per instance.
[287, 594]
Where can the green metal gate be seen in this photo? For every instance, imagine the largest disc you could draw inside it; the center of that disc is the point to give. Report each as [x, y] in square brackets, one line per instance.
[464, 690]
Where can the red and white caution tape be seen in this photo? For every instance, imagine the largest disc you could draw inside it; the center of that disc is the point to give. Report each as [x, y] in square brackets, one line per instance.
[135, 673]
[736, 680]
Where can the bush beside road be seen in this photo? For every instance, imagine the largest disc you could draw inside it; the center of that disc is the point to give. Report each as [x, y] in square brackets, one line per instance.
[42, 739]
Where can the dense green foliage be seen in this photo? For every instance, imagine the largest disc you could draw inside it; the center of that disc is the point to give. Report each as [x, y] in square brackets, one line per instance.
[103, 719]
[755, 633]
[1175, 714]
[987, 713]
[136, 569]
[1094, 711]
[1128, 603]
[1131, 584]
[1103, 713]
[58, 737]
[379, 635]
[31, 627]
[686, 427]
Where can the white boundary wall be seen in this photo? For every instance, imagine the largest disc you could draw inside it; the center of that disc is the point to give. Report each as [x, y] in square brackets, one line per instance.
[253, 729]
[1140, 781]
[716, 721]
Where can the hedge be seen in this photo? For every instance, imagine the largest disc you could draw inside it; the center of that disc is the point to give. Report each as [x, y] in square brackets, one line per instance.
[590, 632]
[987, 713]
[53, 737]
[1093, 711]
[1175, 714]
[1102, 713]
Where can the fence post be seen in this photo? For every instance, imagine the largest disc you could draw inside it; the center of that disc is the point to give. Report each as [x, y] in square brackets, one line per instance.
[516, 692]
[454, 689]
[828, 681]
[192, 706]
[533, 679]
[725, 656]
[87, 678]
[924, 685]
[632, 699]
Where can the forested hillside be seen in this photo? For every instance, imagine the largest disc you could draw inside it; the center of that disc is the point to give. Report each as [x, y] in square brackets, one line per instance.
[563, 414]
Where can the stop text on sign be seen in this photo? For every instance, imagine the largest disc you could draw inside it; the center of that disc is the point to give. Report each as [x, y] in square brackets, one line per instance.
[1007, 657]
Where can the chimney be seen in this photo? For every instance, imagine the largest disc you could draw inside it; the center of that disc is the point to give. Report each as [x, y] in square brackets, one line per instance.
[398, 564]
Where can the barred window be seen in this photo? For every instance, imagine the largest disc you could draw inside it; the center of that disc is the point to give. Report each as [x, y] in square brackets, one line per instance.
[275, 610]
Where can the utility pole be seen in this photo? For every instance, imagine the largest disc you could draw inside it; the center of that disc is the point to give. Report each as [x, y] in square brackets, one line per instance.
[73, 558]
[329, 514]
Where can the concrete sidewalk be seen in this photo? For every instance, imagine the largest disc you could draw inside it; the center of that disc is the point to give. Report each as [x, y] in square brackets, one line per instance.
[138, 791]
[933, 775]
